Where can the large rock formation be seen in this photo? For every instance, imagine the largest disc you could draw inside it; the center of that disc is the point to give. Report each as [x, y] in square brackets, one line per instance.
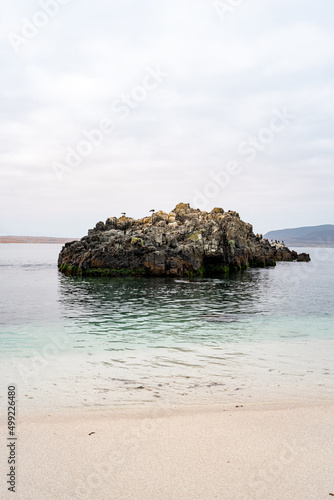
[185, 242]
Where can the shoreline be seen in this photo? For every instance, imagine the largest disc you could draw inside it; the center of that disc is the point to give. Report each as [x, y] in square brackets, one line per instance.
[160, 409]
[267, 451]
[77, 383]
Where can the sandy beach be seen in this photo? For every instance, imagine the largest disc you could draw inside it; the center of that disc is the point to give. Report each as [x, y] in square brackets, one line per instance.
[265, 451]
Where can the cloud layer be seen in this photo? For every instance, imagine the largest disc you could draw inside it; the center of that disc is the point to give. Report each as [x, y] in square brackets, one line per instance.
[182, 86]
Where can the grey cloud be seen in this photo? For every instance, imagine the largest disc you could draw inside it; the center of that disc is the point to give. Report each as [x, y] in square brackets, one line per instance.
[225, 79]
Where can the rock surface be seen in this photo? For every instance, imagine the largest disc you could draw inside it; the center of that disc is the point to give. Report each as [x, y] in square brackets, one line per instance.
[184, 242]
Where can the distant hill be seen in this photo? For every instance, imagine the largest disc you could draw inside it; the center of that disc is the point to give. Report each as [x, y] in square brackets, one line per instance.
[309, 236]
[34, 239]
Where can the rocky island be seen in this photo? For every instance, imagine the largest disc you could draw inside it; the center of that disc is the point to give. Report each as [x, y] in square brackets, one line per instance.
[185, 242]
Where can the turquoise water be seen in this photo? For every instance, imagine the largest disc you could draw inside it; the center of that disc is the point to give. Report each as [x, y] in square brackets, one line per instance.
[94, 341]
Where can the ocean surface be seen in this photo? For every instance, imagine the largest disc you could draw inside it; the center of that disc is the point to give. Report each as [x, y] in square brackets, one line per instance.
[262, 335]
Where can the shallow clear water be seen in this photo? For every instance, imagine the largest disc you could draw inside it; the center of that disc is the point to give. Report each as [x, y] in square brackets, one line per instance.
[263, 333]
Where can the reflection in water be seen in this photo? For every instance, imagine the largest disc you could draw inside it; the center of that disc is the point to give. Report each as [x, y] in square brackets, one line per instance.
[251, 306]
[132, 340]
[154, 311]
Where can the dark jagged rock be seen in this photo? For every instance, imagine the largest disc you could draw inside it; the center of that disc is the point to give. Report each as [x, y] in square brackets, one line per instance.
[185, 242]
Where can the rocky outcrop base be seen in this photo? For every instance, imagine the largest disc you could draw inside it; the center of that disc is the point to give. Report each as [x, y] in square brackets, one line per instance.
[184, 242]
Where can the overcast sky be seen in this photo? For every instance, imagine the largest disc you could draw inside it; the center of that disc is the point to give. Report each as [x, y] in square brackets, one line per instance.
[119, 105]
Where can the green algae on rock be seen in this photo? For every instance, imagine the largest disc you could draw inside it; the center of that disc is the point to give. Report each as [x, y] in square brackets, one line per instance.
[185, 242]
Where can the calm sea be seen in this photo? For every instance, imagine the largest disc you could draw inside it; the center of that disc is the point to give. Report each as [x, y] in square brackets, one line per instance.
[260, 335]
